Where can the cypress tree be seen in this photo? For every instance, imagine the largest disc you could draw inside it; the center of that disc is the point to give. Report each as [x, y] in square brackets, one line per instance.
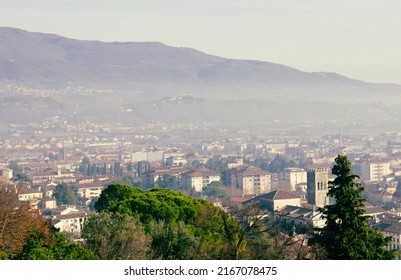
[347, 235]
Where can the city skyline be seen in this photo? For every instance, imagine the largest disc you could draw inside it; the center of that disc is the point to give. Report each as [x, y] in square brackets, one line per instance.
[353, 38]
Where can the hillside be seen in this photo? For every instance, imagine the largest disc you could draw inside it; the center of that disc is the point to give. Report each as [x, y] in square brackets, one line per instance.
[51, 61]
[45, 76]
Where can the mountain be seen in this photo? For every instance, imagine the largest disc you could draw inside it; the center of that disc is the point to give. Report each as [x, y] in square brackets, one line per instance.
[49, 77]
[41, 60]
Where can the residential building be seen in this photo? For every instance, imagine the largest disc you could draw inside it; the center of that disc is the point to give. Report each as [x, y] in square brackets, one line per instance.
[300, 216]
[250, 180]
[150, 177]
[30, 195]
[390, 226]
[293, 178]
[71, 224]
[199, 179]
[58, 175]
[372, 169]
[275, 200]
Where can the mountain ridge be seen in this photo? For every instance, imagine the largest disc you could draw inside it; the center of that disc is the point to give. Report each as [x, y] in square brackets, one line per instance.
[50, 60]
[46, 76]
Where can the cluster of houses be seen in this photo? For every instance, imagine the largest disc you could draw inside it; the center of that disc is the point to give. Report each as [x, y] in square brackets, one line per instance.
[294, 194]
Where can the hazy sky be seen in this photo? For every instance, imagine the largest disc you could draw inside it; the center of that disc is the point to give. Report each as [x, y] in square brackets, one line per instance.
[357, 38]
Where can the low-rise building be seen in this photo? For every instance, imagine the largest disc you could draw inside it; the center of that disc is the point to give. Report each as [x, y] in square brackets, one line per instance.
[275, 200]
[300, 216]
[30, 195]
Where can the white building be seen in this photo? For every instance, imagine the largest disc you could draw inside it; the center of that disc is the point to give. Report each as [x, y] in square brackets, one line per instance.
[292, 178]
[372, 169]
[199, 179]
[250, 180]
[156, 156]
[70, 223]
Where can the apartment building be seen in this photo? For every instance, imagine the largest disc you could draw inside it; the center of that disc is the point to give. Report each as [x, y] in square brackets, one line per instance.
[199, 179]
[250, 180]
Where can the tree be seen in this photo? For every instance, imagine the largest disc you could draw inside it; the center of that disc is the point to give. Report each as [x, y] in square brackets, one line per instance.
[279, 163]
[167, 181]
[114, 236]
[215, 189]
[237, 231]
[172, 241]
[17, 222]
[65, 195]
[347, 234]
[154, 204]
[58, 247]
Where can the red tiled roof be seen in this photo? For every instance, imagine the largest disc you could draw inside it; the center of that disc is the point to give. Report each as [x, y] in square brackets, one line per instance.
[239, 199]
[252, 171]
[27, 190]
[201, 173]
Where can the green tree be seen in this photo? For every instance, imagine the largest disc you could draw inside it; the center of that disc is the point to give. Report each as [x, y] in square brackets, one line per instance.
[215, 189]
[216, 164]
[65, 195]
[114, 236]
[154, 204]
[279, 163]
[233, 229]
[347, 234]
[168, 181]
[172, 241]
[59, 247]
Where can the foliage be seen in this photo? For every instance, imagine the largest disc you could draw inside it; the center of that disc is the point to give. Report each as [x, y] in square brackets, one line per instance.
[154, 204]
[215, 189]
[279, 163]
[167, 181]
[172, 241]
[130, 181]
[21, 178]
[66, 195]
[15, 167]
[289, 241]
[233, 229]
[59, 247]
[182, 227]
[114, 236]
[216, 164]
[346, 234]
[91, 205]
[17, 222]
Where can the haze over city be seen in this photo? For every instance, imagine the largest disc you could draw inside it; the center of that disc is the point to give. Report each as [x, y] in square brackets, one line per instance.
[200, 130]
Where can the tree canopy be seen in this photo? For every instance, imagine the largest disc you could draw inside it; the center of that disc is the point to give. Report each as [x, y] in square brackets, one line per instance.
[155, 204]
[65, 195]
[26, 235]
[113, 236]
[17, 222]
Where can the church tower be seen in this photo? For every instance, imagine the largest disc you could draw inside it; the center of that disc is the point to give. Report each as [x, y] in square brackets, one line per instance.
[317, 186]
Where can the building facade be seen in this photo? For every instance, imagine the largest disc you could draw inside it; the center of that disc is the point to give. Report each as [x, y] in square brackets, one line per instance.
[250, 180]
[198, 179]
[292, 178]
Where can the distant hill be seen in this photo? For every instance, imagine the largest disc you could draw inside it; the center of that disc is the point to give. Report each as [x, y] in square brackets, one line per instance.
[47, 76]
[40, 60]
